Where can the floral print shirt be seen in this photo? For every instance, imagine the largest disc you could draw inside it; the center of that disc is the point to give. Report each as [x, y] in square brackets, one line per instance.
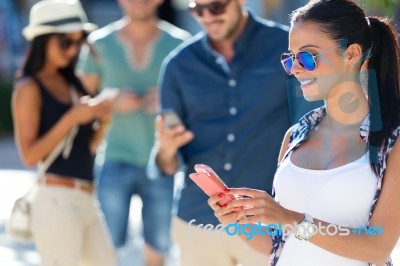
[300, 133]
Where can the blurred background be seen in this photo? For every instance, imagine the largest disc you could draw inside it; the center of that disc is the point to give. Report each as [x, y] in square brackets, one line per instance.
[14, 15]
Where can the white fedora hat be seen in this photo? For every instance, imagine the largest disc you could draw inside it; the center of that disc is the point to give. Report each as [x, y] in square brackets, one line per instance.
[56, 16]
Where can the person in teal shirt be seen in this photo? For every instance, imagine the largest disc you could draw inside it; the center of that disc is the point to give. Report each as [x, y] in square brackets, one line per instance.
[124, 64]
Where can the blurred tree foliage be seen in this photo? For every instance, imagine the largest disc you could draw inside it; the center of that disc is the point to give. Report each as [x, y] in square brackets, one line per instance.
[381, 7]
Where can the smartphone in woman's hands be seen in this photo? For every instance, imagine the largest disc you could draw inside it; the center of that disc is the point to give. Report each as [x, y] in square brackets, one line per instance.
[210, 183]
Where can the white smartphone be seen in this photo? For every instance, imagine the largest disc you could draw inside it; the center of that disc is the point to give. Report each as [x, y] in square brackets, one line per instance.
[170, 118]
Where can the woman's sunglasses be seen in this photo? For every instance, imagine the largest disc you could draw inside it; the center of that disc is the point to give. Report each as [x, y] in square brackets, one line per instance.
[305, 58]
[215, 8]
[66, 43]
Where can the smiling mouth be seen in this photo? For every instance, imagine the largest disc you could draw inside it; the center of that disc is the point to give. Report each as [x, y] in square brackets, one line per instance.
[305, 82]
[215, 24]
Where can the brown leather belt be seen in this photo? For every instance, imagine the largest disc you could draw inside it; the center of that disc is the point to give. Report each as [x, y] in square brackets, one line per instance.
[53, 180]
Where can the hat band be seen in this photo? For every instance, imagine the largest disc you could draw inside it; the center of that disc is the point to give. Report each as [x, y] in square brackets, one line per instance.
[62, 21]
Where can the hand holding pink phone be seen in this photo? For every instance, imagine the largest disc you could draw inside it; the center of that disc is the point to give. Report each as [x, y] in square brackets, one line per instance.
[210, 183]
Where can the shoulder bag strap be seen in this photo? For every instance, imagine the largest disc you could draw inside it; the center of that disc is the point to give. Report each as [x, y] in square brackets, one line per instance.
[65, 146]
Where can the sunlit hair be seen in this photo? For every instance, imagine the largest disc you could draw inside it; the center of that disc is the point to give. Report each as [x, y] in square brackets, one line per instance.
[35, 59]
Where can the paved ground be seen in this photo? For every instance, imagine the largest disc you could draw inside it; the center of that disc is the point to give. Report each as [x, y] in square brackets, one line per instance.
[15, 181]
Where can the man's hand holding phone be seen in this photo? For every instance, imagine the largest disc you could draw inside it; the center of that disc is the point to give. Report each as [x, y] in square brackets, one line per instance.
[171, 134]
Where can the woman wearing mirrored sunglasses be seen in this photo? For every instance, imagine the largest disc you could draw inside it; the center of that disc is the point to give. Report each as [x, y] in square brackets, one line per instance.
[337, 185]
[49, 101]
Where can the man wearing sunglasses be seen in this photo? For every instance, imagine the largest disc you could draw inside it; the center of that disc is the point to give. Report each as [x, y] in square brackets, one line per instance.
[227, 86]
[125, 65]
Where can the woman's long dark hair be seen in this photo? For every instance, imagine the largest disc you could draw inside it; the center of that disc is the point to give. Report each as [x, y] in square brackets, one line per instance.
[345, 20]
[36, 58]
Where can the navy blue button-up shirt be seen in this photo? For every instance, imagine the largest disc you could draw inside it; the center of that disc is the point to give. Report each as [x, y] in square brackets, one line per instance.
[238, 112]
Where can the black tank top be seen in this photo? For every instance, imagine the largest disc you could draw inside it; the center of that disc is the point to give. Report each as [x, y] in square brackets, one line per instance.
[80, 162]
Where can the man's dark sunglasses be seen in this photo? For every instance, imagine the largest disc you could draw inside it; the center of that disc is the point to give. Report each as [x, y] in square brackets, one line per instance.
[66, 43]
[215, 8]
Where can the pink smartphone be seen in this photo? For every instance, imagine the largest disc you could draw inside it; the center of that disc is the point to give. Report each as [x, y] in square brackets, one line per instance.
[210, 183]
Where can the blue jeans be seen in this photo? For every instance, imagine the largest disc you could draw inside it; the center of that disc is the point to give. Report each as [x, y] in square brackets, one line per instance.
[117, 182]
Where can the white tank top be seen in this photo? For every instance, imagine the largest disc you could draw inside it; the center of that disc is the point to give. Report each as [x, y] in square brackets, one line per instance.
[341, 196]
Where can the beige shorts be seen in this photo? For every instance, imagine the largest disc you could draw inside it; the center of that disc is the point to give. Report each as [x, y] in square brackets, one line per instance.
[68, 228]
[200, 247]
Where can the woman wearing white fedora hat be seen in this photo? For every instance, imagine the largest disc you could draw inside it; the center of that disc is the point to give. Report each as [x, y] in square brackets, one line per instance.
[54, 116]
